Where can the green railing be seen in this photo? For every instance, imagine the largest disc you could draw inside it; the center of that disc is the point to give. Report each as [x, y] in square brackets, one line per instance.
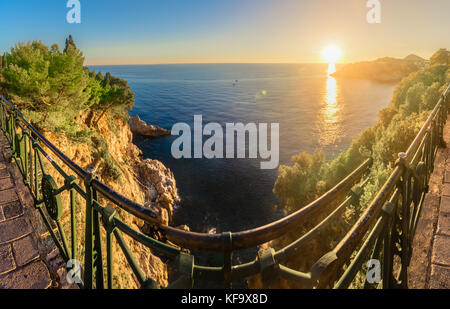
[384, 231]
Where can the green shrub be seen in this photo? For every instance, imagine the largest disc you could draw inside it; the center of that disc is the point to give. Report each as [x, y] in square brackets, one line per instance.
[52, 87]
[109, 165]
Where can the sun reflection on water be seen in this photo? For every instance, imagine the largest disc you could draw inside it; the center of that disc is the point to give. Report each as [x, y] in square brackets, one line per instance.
[329, 123]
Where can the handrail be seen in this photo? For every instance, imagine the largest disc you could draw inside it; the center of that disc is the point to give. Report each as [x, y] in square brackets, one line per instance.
[191, 240]
[263, 234]
[120, 200]
[388, 222]
[413, 147]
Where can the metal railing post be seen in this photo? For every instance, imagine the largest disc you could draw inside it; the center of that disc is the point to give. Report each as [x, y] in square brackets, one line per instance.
[93, 250]
[227, 259]
[88, 250]
[97, 250]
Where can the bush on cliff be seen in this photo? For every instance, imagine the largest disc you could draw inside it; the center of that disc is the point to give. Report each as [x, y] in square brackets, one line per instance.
[442, 56]
[52, 87]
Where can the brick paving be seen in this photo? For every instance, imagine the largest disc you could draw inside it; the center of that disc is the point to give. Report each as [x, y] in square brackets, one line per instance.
[430, 262]
[21, 265]
[440, 256]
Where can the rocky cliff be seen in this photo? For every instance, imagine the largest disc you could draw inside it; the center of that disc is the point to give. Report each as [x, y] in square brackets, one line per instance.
[118, 163]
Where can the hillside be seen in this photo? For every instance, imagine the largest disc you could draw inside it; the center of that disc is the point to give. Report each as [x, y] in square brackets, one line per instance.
[385, 69]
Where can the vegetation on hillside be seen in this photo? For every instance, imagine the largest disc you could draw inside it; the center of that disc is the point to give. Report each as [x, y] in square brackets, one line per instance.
[312, 175]
[52, 87]
[384, 69]
[56, 93]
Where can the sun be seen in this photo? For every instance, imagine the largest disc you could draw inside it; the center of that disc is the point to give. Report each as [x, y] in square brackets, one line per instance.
[332, 54]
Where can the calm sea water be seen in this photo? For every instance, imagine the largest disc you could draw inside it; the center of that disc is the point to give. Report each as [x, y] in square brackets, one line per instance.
[314, 111]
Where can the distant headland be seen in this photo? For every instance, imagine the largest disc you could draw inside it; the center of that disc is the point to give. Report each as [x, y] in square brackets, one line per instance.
[385, 69]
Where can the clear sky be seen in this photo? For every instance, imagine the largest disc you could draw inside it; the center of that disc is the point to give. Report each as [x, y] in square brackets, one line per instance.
[177, 31]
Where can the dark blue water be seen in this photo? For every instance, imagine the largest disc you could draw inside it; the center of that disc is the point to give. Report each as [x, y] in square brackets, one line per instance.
[314, 111]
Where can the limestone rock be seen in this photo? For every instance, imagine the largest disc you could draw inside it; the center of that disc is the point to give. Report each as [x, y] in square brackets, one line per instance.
[139, 126]
[161, 186]
[161, 213]
[152, 193]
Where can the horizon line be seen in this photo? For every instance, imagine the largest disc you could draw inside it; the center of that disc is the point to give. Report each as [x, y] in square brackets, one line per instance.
[175, 63]
[248, 62]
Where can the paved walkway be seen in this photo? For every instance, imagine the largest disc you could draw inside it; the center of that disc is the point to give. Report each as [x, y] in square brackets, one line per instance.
[21, 266]
[430, 262]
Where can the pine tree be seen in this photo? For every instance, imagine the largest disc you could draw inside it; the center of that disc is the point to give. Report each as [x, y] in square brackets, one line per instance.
[107, 81]
[39, 79]
[70, 44]
[57, 86]
[4, 60]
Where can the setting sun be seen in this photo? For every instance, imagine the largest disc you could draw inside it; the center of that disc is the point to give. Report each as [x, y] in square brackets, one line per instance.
[331, 54]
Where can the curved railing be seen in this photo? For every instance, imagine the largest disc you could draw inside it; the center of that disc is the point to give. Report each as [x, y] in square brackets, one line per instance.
[384, 231]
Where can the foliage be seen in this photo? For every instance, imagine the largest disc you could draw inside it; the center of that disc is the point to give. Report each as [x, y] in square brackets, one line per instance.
[56, 87]
[55, 92]
[109, 93]
[108, 163]
[442, 56]
[38, 79]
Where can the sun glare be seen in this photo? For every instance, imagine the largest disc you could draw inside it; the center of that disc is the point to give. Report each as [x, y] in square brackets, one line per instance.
[331, 54]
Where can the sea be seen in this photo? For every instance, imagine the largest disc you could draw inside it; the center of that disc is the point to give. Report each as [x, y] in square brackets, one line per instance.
[314, 111]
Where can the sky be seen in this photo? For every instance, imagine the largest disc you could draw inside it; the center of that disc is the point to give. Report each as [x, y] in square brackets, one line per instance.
[199, 31]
